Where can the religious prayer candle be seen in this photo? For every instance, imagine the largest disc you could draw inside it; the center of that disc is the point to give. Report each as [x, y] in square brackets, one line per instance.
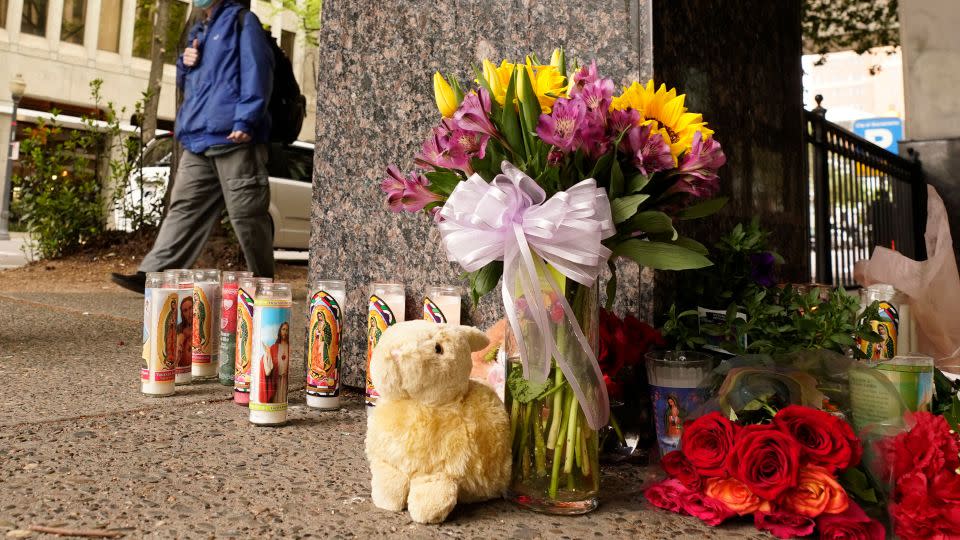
[270, 368]
[675, 378]
[206, 323]
[228, 325]
[182, 280]
[325, 302]
[246, 289]
[442, 304]
[159, 337]
[386, 308]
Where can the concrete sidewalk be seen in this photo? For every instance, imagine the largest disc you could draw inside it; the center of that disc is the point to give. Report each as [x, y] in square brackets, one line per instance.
[82, 448]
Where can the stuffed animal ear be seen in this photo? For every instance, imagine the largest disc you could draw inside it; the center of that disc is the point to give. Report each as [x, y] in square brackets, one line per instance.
[476, 338]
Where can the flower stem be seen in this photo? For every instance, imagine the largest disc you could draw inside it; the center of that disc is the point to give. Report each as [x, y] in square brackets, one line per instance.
[539, 449]
[557, 451]
[572, 412]
[585, 465]
[556, 410]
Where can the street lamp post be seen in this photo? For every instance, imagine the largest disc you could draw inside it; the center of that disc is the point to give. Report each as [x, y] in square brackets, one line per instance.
[17, 89]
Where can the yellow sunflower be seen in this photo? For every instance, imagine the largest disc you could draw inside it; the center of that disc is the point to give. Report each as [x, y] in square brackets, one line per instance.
[665, 111]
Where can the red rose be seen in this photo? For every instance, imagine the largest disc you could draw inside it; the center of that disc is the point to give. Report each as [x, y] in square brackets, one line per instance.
[852, 524]
[669, 495]
[825, 440]
[706, 509]
[706, 442]
[678, 466]
[638, 338]
[766, 459]
[783, 524]
[913, 513]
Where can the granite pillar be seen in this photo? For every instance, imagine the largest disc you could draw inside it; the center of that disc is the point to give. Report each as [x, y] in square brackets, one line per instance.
[739, 65]
[375, 106]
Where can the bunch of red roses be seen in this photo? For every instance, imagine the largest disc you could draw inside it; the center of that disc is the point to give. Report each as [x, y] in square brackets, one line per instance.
[922, 462]
[783, 473]
[623, 342]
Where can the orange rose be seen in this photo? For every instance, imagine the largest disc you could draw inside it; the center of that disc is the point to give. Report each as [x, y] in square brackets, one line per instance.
[817, 492]
[736, 496]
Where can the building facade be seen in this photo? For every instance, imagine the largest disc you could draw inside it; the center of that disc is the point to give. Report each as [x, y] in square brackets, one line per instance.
[60, 46]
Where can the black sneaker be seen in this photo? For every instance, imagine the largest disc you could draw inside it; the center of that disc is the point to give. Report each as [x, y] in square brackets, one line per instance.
[132, 282]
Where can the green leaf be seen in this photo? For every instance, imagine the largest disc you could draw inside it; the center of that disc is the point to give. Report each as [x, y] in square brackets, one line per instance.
[660, 255]
[626, 207]
[529, 106]
[616, 180]
[443, 182]
[691, 244]
[485, 280]
[704, 209]
[509, 121]
[653, 221]
[637, 183]
[523, 390]
[855, 481]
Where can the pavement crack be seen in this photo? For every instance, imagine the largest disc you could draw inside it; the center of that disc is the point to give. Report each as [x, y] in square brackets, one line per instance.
[66, 309]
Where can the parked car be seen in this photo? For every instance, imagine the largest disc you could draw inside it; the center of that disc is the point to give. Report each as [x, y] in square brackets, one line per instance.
[291, 173]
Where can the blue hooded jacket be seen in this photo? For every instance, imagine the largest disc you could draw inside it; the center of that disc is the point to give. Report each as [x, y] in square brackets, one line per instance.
[229, 88]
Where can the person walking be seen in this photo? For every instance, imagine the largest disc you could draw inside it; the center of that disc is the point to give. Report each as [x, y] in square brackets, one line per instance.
[226, 74]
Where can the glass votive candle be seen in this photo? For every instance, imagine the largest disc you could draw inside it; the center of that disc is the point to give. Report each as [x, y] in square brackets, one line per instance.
[326, 301]
[675, 396]
[386, 308]
[441, 304]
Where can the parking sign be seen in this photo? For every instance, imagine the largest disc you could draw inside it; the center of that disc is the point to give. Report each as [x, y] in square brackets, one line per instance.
[883, 132]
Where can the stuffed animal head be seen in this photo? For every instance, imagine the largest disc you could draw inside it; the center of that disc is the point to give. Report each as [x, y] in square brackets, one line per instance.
[424, 361]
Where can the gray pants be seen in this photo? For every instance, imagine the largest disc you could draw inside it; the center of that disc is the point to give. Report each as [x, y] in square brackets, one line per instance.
[203, 184]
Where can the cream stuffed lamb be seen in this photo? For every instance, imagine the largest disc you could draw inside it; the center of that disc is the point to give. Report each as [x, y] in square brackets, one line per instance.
[435, 436]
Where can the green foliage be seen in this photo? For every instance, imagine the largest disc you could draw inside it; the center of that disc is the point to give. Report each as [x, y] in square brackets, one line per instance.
[62, 199]
[308, 15]
[945, 401]
[860, 25]
[143, 29]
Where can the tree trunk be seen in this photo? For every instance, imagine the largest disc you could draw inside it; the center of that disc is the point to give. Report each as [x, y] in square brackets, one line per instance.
[161, 21]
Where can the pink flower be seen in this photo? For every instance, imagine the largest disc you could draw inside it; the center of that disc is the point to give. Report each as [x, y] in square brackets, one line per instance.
[562, 124]
[669, 495]
[474, 113]
[698, 168]
[783, 524]
[407, 194]
[622, 120]
[584, 76]
[708, 510]
[596, 96]
[649, 151]
[439, 150]
[473, 143]
[592, 138]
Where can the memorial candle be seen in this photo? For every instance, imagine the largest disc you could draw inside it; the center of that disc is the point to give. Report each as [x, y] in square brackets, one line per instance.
[442, 304]
[228, 325]
[270, 367]
[159, 337]
[326, 300]
[386, 308]
[182, 280]
[247, 288]
[206, 323]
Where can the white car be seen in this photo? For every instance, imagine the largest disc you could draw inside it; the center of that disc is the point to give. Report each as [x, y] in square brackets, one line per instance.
[291, 189]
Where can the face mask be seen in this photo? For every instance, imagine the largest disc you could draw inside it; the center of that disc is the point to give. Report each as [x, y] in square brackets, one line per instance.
[202, 4]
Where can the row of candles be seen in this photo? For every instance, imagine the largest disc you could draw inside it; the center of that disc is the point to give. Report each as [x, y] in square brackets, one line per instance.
[207, 324]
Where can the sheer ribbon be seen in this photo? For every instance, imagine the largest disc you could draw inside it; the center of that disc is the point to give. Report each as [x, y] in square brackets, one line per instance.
[510, 219]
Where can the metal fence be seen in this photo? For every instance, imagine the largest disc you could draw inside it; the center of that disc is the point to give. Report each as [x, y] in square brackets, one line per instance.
[863, 196]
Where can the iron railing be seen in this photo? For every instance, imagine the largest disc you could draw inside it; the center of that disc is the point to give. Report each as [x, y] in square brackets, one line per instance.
[863, 196]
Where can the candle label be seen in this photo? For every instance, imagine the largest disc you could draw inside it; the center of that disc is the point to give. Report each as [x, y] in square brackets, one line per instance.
[379, 318]
[887, 327]
[185, 329]
[145, 350]
[161, 345]
[323, 345]
[244, 337]
[202, 346]
[432, 312]
[270, 368]
[671, 407]
[228, 332]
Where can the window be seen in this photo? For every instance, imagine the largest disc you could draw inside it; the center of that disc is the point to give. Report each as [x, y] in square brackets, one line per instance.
[143, 29]
[3, 13]
[34, 20]
[71, 27]
[109, 37]
[290, 162]
[287, 39]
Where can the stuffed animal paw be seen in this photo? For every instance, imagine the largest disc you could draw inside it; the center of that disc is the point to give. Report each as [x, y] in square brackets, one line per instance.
[435, 437]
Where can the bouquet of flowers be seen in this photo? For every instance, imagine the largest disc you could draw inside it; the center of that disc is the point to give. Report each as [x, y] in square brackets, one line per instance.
[541, 175]
[784, 474]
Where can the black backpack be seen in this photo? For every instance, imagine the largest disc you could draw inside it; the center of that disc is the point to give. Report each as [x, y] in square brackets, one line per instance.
[287, 105]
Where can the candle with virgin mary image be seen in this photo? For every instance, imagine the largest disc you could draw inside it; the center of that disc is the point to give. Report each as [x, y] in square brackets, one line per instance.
[675, 377]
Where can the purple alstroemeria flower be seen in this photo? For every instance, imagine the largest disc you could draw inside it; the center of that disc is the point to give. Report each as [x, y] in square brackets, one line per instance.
[407, 194]
[592, 138]
[474, 113]
[649, 151]
[762, 269]
[622, 120]
[597, 96]
[439, 150]
[698, 168]
[584, 76]
[562, 124]
[473, 143]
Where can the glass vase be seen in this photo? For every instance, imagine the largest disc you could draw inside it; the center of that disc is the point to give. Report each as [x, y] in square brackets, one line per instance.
[556, 467]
